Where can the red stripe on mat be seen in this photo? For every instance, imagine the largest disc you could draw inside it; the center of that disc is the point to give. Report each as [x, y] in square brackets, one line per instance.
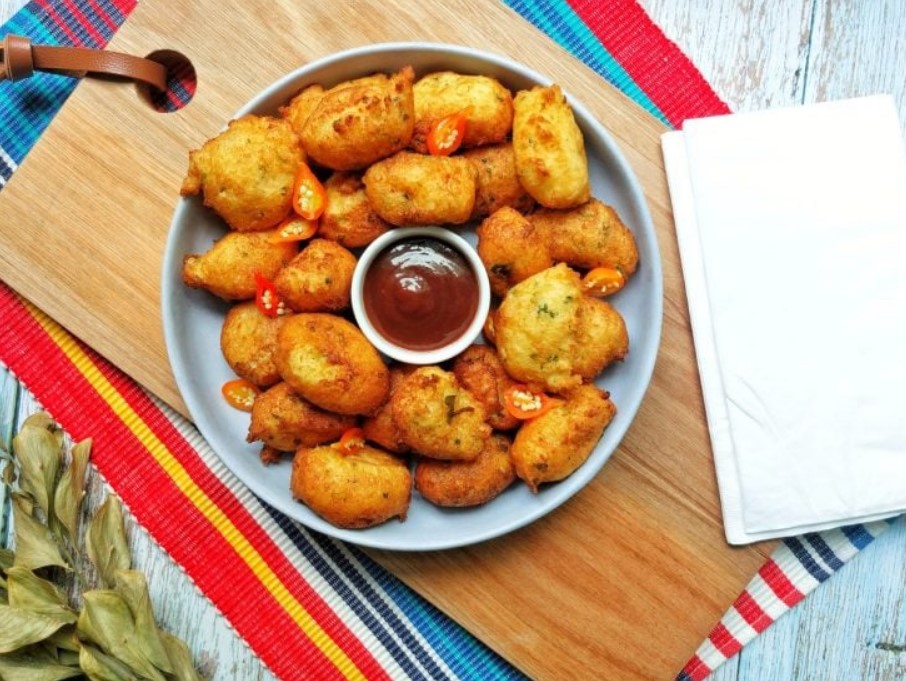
[653, 61]
[779, 583]
[752, 613]
[174, 522]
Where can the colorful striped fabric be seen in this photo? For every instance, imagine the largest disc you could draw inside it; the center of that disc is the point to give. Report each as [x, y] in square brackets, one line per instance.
[351, 618]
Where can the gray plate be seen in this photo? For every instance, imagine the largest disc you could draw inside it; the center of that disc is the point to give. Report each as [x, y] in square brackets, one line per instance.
[192, 319]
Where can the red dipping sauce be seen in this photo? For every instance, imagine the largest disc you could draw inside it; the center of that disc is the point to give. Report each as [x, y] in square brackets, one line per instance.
[420, 293]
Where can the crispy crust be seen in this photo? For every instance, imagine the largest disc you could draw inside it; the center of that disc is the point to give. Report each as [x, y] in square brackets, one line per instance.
[550, 447]
[357, 490]
[246, 172]
[467, 483]
[437, 417]
[550, 151]
[248, 340]
[328, 361]
[318, 279]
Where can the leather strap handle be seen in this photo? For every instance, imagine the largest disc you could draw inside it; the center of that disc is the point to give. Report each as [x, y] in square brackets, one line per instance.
[20, 59]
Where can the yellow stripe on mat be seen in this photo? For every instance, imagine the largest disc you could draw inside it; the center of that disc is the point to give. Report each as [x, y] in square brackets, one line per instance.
[196, 495]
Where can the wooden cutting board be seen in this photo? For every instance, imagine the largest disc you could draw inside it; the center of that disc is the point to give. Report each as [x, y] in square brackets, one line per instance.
[626, 579]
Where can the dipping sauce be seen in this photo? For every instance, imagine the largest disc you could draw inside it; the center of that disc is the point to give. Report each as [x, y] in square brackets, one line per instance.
[420, 294]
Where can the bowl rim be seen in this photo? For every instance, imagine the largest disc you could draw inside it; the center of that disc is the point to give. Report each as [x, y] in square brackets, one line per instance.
[388, 347]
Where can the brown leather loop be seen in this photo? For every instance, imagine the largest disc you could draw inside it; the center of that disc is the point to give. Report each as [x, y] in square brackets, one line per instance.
[20, 59]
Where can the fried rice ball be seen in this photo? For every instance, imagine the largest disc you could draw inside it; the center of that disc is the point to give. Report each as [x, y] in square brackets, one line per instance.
[535, 329]
[496, 182]
[437, 417]
[414, 189]
[467, 483]
[318, 279]
[601, 337]
[248, 340]
[552, 446]
[329, 362]
[550, 151]
[355, 490]
[380, 428]
[246, 173]
[481, 372]
[285, 421]
[489, 118]
[589, 236]
[511, 249]
[349, 218]
[356, 124]
[228, 269]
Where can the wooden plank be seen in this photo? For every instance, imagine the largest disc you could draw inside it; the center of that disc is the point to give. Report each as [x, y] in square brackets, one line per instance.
[643, 542]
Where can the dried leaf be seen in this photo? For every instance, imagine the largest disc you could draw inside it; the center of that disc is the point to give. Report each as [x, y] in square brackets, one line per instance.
[29, 592]
[33, 665]
[100, 667]
[180, 658]
[106, 541]
[107, 621]
[35, 546]
[65, 639]
[19, 628]
[7, 558]
[133, 587]
[71, 489]
[39, 457]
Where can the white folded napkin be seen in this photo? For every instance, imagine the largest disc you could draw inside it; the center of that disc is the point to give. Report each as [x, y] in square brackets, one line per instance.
[792, 232]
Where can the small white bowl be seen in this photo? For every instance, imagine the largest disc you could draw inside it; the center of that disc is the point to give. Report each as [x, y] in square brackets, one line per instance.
[397, 352]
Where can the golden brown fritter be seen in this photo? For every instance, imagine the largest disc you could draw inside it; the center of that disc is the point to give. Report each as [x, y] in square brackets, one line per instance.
[318, 279]
[551, 336]
[300, 107]
[357, 490]
[285, 421]
[550, 150]
[481, 372]
[380, 428]
[552, 446]
[228, 269]
[589, 236]
[437, 417]
[535, 329]
[413, 189]
[496, 182]
[329, 362]
[349, 218]
[354, 125]
[246, 173]
[490, 116]
[601, 337]
[248, 340]
[467, 483]
[511, 249]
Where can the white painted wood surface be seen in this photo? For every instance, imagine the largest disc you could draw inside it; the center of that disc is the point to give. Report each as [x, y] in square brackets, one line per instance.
[759, 54]
[756, 54]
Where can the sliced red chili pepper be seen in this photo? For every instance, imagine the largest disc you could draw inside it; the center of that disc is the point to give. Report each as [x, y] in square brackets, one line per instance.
[603, 281]
[447, 134]
[294, 228]
[309, 196]
[266, 297]
[524, 403]
[240, 393]
[351, 441]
